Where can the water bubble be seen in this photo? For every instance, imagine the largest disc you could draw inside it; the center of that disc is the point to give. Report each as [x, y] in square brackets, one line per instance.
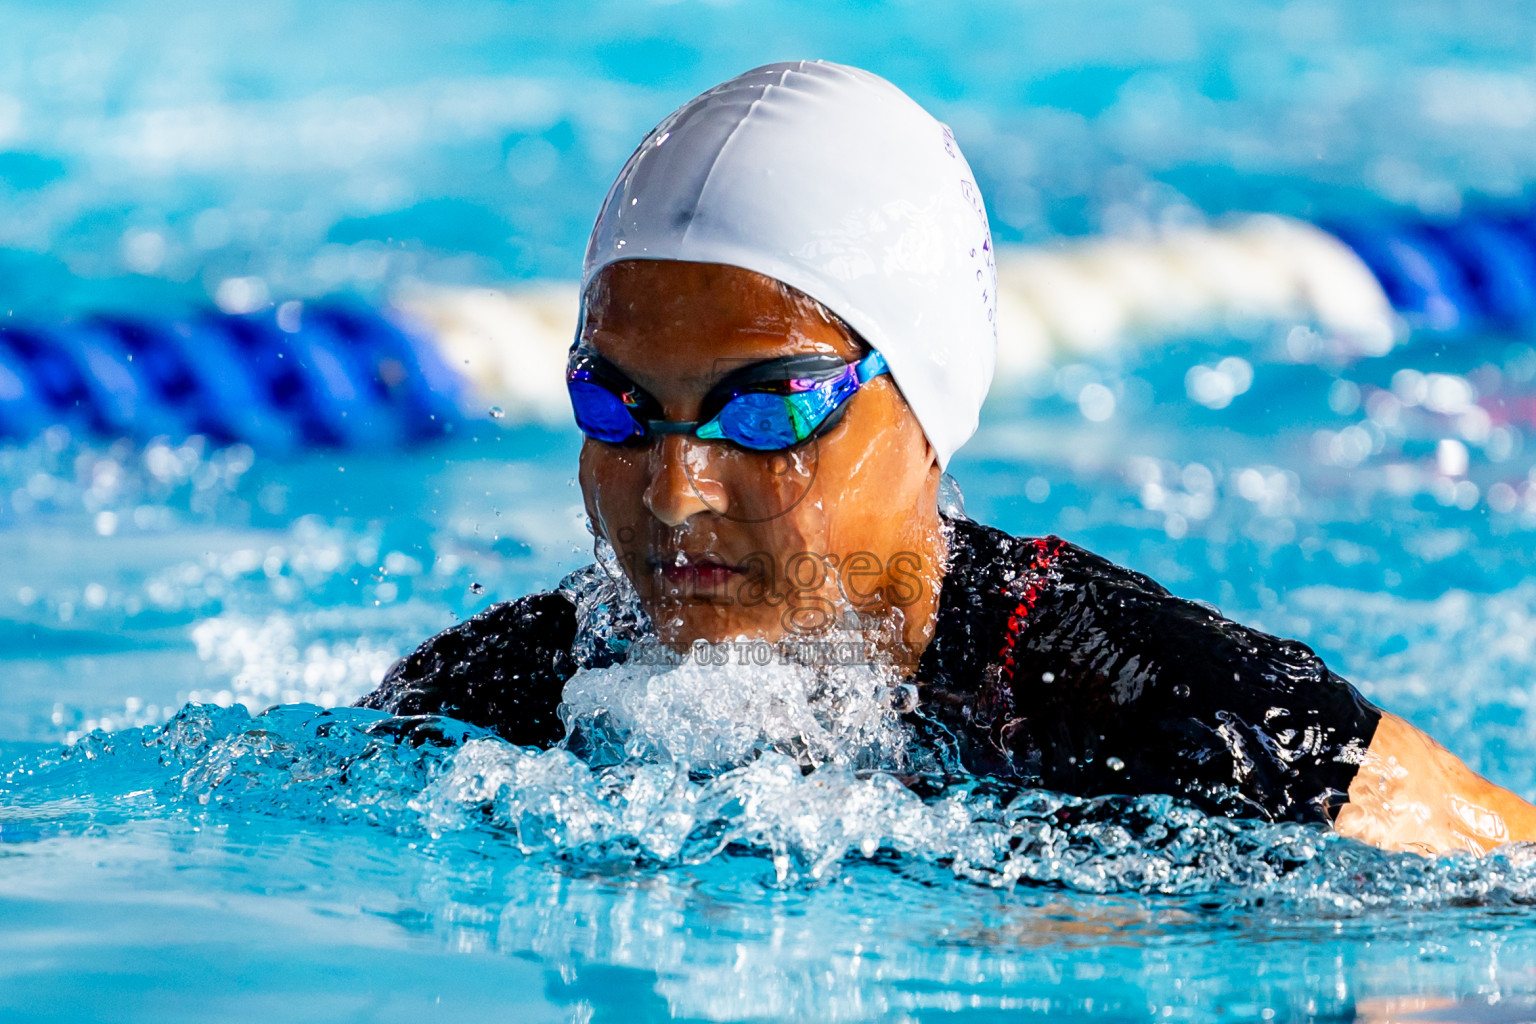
[1344, 397]
[477, 588]
[1096, 402]
[1451, 457]
[1447, 393]
[143, 251]
[1115, 764]
[497, 412]
[239, 295]
[1216, 386]
[290, 317]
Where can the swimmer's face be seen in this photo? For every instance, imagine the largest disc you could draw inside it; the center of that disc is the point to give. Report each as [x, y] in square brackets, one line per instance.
[724, 543]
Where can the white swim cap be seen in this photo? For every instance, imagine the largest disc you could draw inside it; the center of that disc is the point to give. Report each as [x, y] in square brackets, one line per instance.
[835, 182]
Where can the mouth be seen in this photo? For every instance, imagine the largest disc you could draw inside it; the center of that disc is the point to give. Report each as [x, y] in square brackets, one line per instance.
[688, 573]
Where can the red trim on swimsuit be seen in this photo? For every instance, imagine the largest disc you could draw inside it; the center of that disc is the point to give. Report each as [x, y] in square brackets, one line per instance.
[1046, 551]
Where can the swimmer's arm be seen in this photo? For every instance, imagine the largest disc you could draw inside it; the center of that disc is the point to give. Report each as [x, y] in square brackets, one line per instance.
[503, 669]
[1413, 794]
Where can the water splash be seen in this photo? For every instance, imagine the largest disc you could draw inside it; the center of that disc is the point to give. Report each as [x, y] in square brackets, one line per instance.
[426, 778]
[265, 661]
[710, 717]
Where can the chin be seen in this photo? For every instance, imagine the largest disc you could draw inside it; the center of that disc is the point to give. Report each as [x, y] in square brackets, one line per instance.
[682, 626]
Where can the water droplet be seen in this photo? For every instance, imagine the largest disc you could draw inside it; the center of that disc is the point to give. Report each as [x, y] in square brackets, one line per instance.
[496, 412]
[476, 588]
[951, 501]
[1115, 764]
[1181, 690]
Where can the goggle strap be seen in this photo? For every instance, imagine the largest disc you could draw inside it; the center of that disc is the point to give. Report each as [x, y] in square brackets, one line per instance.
[871, 366]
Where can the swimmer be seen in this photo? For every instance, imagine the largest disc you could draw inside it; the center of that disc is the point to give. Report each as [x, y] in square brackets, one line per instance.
[786, 332]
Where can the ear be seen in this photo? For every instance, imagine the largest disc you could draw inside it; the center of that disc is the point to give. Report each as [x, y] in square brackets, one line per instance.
[934, 469]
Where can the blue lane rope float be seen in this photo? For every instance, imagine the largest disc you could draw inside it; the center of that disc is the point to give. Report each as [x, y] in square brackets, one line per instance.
[54, 388]
[347, 377]
[338, 374]
[1476, 273]
[1425, 286]
[1498, 262]
[23, 409]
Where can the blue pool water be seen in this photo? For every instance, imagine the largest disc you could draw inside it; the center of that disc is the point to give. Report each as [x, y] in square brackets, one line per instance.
[198, 863]
[149, 150]
[171, 850]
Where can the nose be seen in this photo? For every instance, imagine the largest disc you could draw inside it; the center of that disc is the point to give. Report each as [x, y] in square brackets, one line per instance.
[683, 481]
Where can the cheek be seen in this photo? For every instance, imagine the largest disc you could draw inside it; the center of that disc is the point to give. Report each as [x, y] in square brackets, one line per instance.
[878, 472]
[776, 507]
[611, 485]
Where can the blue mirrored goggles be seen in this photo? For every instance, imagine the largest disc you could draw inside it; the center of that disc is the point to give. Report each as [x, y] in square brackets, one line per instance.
[767, 406]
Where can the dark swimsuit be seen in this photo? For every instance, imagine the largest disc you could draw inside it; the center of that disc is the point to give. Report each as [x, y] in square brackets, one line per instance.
[1049, 667]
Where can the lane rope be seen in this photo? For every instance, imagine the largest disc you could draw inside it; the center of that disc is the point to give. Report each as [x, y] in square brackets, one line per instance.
[334, 373]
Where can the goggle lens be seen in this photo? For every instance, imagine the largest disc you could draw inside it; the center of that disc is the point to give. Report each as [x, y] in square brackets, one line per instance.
[789, 411]
[601, 414]
[759, 421]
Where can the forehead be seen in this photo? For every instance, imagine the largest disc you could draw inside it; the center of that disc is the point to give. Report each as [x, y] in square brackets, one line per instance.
[675, 322]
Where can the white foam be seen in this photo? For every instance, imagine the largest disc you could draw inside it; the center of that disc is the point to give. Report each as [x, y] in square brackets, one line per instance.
[713, 716]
